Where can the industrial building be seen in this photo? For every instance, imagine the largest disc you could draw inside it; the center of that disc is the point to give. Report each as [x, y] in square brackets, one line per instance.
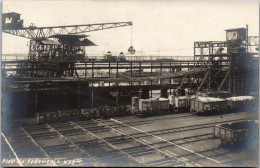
[82, 110]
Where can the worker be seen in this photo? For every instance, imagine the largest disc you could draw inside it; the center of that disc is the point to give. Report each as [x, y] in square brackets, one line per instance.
[121, 54]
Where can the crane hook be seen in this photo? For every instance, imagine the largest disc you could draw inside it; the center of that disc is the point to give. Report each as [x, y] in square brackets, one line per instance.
[131, 49]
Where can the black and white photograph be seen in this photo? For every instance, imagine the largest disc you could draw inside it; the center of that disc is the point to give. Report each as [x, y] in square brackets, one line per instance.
[129, 83]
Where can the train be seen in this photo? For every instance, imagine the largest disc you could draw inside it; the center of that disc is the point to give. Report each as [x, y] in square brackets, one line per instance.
[197, 104]
[82, 114]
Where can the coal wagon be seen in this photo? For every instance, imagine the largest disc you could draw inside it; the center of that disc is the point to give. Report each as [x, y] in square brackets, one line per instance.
[233, 133]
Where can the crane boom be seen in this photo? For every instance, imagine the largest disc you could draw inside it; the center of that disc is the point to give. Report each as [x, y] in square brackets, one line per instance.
[33, 32]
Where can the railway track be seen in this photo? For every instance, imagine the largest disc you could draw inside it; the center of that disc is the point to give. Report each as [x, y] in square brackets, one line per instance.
[155, 119]
[174, 146]
[114, 143]
[66, 143]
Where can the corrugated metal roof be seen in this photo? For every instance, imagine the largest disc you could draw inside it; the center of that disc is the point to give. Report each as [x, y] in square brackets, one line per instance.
[59, 36]
[85, 42]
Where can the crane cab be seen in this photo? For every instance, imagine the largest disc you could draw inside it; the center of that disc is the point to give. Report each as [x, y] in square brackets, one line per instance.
[11, 21]
[237, 39]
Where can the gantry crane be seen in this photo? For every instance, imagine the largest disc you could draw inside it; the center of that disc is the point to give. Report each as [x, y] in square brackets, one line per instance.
[56, 43]
[33, 32]
[70, 37]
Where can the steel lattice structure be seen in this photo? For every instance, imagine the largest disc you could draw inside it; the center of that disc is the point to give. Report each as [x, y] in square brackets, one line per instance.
[33, 32]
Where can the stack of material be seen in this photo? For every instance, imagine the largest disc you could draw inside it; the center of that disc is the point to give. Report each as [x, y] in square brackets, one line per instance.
[209, 99]
[222, 94]
[234, 132]
[240, 98]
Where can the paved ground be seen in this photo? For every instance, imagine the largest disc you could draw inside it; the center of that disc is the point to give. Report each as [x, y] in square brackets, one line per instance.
[170, 140]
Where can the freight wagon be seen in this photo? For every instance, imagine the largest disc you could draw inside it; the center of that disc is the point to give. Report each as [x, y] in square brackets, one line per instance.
[70, 114]
[152, 106]
[44, 117]
[90, 113]
[233, 133]
[240, 103]
[182, 103]
[208, 105]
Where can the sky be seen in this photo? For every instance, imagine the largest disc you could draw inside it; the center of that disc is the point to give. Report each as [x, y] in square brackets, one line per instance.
[160, 28]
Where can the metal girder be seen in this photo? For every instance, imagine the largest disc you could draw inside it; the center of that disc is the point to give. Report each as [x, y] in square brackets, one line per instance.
[253, 41]
[204, 79]
[45, 32]
[103, 140]
[183, 80]
[207, 48]
[223, 81]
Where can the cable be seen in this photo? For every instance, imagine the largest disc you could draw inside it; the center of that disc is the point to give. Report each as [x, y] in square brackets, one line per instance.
[131, 35]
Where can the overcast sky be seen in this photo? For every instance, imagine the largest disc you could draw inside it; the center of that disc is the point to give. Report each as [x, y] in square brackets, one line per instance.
[159, 27]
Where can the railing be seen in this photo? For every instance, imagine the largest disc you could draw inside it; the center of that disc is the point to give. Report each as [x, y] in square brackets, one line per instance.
[148, 58]
[16, 57]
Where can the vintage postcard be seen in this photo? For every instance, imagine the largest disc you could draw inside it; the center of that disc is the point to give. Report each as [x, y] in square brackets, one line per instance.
[130, 83]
